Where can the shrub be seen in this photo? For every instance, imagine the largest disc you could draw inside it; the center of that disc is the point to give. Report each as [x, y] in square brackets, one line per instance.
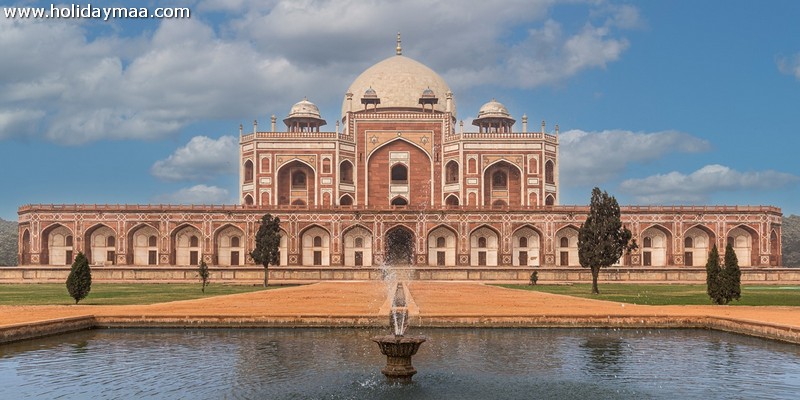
[79, 281]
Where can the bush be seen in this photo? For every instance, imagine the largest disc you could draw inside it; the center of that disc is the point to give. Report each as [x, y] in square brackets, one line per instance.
[534, 278]
[79, 281]
[202, 271]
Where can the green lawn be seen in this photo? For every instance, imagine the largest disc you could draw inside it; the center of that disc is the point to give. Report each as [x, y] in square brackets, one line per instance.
[671, 294]
[114, 293]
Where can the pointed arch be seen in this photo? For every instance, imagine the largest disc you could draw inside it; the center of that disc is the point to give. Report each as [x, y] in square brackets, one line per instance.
[142, 248]
[526, 245]
[399, 245]
[698, 240]
[451, 200]
[566, 246]
[229, 245]
[346, 172]
[656, 242]
[549, 172]
[484, 244]
[745, 244]
[502, 183]
[397, 139]
[187, 244]
[315, 245]
[25, 247]
[774, 248]
[248, 171]
[399, 201]
[442, 245]
[98, 249]
[248, 200]
[296, 180]
[57, 245]
[346, 200]
[550, 200]
[451, 172]
[357, 243]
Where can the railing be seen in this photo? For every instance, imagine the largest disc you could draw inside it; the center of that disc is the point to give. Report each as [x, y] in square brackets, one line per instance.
[373, 208]
[296, 135]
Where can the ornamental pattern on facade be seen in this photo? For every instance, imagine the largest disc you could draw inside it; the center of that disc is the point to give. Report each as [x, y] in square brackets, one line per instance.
[398, 168]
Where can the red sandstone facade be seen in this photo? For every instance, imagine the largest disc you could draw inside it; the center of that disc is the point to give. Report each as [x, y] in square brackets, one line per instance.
[398, 170]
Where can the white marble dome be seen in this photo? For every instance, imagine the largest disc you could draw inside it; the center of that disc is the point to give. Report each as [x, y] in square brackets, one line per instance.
[493, 109]
[398, 81]
[304, 109]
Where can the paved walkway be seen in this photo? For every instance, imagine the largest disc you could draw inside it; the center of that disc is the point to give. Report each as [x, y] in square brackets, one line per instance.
[438, 303]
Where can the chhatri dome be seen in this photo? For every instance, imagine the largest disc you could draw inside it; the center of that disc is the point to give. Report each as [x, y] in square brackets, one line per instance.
[304, 109]
[398, 82]
[493, 109]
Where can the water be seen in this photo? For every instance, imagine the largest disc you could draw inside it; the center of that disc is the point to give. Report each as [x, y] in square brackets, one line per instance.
[345, 364]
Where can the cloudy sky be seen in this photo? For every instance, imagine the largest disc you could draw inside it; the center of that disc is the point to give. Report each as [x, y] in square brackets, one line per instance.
[659, 102]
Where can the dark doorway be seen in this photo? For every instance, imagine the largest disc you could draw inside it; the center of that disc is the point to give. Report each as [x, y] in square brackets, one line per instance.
[523, 258]
[151, 257]
[193, 258]
[688, 259]
[564, 258]
[440, 258]
[359, 258]
[234, 258]
[399, 247]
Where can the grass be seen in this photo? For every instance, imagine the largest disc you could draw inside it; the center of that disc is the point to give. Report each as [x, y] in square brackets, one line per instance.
[671, 294]
[113, 293]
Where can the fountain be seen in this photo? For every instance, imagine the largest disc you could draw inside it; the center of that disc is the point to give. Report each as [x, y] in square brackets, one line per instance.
[397, 347]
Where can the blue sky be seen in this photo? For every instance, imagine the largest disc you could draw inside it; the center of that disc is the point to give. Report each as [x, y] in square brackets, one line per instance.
[658, 102]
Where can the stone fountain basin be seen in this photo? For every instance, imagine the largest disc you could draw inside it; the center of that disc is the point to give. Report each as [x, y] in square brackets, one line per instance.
[398, 351]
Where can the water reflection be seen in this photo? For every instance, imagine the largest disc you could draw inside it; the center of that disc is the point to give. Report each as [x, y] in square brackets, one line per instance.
[344, 363]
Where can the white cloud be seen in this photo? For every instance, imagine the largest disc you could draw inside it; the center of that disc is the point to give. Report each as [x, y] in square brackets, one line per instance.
[198, 194]
[790, 65]
[676, 187]
[83, 84]
[592, 158]
[201, 158]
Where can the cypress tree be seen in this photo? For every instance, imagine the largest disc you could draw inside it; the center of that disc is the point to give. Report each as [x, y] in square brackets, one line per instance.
[202, 271]
[602, 239]
[714, 278]
[732, 275]
[268, 240]
[79, 281]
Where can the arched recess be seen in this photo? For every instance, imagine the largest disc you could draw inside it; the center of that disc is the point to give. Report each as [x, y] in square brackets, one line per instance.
[550, 200]
[230, 246]
[57, 245]
[451, 200]
[399, 201]
[346, 200]
[102, 245]
[697, 243]
[502, 182]
[346, 172]
[774, 249]
[143, 245]
[248, 171]
[248, 200]
[566, 245]
[187, 245]
[399, 245]
[395, 156]
[525, 245]
[473, 199]
[533, 199]
[451, 172]
[357, 247]
[484, 243]
[549, 172]
[326, 198]
[442, 243]
[25, 247]
[283, 248]
[296, 181]
[656, 246]
[745, 245]
[316, 243]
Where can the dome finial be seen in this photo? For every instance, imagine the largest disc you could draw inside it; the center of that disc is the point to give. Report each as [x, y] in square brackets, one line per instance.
[398, 50]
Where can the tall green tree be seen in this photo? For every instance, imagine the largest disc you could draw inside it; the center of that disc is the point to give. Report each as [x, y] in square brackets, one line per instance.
[268, 240]
[602, 239]
[731, 275]
[202, 272]
[79, 281]
[713, 277]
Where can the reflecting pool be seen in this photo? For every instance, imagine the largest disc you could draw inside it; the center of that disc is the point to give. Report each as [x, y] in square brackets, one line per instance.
[453, 364]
